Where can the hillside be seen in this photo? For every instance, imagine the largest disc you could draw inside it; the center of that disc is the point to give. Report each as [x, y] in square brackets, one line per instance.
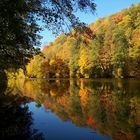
[111, 48]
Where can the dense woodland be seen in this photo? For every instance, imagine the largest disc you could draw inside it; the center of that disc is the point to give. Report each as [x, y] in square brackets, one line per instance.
[110, 47]
[21, 22]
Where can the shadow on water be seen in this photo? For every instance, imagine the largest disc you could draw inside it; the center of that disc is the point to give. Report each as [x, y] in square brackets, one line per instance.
[15, 117]
[111, 107]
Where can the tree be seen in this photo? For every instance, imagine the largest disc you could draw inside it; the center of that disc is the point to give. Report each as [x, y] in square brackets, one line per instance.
[19, 25]
[36, 67]
[107, 48]
[74, 58]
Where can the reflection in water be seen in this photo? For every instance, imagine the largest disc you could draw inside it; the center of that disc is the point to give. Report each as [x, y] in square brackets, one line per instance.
[111, 107]
[16, 120]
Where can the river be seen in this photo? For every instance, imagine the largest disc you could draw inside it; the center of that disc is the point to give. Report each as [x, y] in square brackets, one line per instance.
[62, 109]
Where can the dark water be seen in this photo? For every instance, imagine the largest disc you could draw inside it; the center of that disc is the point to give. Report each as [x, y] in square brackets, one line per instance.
[70, 110]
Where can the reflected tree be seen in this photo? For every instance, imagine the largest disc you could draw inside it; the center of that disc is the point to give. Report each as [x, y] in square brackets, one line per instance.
[109, 106]
[16, 119]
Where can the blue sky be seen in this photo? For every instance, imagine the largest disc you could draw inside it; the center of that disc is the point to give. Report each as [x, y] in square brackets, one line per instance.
[104, 8]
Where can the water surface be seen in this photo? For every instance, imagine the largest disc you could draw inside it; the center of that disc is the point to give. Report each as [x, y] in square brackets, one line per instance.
[71, 110]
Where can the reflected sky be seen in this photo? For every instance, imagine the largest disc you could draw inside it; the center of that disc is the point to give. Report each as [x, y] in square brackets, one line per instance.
[54, 128]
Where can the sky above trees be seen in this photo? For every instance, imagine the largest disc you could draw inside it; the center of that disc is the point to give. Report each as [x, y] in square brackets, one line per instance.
[104, 8]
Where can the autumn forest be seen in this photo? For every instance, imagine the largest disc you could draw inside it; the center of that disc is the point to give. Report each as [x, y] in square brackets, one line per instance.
[107, 48]
[69, 70]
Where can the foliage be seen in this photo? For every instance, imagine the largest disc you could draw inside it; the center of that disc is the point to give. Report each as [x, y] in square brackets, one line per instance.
[20, 26]
[107, 51]
[110, 47]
